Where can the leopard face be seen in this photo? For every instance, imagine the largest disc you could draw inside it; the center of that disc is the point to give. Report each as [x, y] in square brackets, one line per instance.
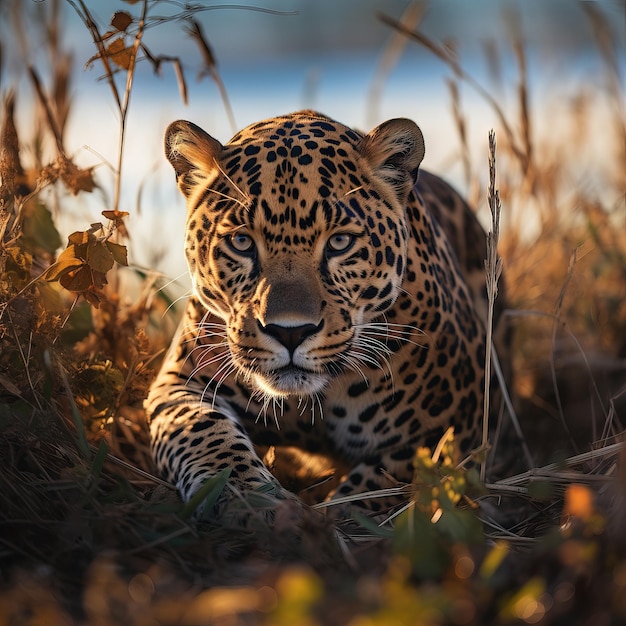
[297, 239]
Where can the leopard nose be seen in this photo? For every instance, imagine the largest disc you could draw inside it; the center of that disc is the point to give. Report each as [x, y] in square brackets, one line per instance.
[291, 336]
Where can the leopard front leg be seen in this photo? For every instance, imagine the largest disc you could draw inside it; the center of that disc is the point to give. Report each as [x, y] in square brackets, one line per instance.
[196, 432]
[376, 473]
[193, 441]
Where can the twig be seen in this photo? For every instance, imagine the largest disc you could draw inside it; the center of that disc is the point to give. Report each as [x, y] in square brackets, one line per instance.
[92, 27]
[210, 68]
[555, 468]
[130, 74]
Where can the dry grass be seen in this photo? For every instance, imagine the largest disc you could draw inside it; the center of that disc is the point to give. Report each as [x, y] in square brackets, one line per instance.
[88, 535]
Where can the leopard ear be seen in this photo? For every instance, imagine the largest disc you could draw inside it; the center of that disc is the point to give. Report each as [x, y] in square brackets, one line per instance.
[395, 150]
[192, 153]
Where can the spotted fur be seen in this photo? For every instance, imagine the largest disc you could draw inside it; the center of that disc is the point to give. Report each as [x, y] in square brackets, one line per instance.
[329, 312]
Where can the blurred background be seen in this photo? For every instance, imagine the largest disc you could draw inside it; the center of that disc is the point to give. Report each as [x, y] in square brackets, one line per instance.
[340, 58]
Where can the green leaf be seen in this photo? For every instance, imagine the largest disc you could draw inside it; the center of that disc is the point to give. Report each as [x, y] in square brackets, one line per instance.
[372, 526]
[82, 442]
[416, 539]
[460, 526]
[98, 463]
[208, 494]
[38, 229]
[79, 324]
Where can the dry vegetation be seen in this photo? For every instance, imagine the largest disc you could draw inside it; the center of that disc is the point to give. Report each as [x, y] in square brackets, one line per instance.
[88, 535]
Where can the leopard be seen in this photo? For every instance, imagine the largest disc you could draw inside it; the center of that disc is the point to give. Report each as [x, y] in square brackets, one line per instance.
[337, 308]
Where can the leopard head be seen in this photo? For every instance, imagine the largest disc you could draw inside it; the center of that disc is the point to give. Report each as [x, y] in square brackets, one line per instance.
[296, 238]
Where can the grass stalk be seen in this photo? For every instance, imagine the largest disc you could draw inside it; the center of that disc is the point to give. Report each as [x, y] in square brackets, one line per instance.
[449, 59]
[493, 267]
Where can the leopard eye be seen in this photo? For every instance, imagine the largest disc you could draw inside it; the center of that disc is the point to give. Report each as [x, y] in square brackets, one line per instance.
[341, 242]
[240, 242]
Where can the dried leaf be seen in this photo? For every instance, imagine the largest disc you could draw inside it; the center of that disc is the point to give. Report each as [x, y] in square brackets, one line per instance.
[119, 252]
[80, 248]
[107, 35]
[21, 259]
[80, 237]
[116, 217]
[99, 258]
[195, 32]
[94, 298]
[15, 269]
[67, 262]
[119, 53]
[99, 279]
[78, 179]
[78, 280]
[121, 20]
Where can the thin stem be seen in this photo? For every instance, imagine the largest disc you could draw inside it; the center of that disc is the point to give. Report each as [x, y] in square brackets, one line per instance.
[92, 27]
[453, 63]
[124, 105]
[493, 266]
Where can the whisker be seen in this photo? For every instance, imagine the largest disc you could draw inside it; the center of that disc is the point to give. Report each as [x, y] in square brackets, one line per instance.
[264, 400]
[187, 295]
[232, 182]
[281, 405]
[354, 190]
[226, 369]
[390, 331]
[207, 346]
[201, 365]
[354, 366]
[316, 398]
[198, 346]
[205, 362]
